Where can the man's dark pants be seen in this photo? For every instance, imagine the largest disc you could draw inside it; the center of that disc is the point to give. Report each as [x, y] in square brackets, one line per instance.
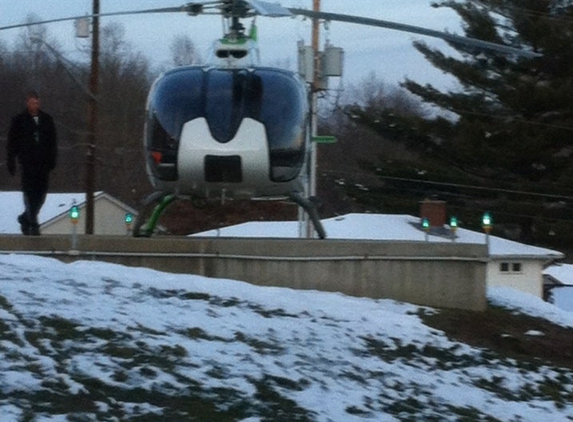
[34, 189]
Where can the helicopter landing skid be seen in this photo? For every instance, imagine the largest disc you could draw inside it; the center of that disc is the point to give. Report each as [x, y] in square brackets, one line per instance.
[159, 201]
[145, 227]
[310, 207]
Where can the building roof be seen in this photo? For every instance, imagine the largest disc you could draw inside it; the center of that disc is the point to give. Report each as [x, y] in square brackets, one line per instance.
[388, 227]
[562, 273]
[55, 206]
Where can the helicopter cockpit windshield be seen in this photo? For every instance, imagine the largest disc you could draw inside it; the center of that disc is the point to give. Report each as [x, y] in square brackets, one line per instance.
[224, 97]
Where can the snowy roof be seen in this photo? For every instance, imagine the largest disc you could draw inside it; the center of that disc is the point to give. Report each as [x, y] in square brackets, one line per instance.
[56, 204]
[562, 273]
[389, 227]
[562, 297]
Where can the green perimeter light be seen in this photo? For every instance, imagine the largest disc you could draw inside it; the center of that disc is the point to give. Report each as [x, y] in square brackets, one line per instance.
[425, 223]
[74, 213]
[453, 222]
[486, 221]
[128, 218]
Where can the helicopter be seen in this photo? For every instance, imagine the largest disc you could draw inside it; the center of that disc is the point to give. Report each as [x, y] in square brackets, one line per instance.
[233, 129]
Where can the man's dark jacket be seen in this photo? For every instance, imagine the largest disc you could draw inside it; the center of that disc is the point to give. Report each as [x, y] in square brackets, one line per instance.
[34, 145]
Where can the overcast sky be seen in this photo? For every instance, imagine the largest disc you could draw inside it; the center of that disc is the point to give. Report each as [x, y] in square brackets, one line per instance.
[388, 53]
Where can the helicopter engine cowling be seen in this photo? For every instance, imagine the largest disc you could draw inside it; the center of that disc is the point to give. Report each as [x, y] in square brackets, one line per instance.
[237, 133]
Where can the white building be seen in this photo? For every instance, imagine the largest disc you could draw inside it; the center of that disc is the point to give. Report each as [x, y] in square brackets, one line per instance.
[512, 264]
[109, 213]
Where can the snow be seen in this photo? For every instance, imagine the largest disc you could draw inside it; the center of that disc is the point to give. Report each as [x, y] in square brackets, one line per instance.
[12, 205]
[563, 298]
[397, 227]
[69, 327]
[507, 297]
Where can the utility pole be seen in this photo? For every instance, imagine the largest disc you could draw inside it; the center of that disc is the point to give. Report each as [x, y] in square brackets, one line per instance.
[315, 89]
[92, 121]
[314, 111]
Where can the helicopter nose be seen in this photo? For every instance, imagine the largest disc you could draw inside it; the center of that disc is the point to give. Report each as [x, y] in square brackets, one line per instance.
[207, 164]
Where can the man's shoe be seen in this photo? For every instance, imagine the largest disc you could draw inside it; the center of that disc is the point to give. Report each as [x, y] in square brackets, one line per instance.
[35, 230]
[24, 224]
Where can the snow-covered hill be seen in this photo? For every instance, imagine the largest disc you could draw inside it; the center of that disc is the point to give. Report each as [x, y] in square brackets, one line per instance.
[98, 342]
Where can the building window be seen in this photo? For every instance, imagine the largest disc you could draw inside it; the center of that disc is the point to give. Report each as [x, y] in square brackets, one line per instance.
[510, 267]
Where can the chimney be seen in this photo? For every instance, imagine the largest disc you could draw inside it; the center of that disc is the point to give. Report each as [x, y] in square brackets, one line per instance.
[435, 211]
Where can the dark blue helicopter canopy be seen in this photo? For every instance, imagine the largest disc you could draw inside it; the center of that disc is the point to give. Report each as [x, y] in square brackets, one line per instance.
[224, 97]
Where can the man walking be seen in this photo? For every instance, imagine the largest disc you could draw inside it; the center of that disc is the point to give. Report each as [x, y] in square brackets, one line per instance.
[32, 141]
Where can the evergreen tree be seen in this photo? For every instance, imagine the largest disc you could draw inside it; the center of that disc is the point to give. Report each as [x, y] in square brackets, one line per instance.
[515, 114]
[504, 139]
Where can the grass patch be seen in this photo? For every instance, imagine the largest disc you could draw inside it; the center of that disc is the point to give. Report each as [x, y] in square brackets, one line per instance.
[260, 346]
[196, 333]
[503, 332]
[274, 406]
[445, 359]
[4, 304]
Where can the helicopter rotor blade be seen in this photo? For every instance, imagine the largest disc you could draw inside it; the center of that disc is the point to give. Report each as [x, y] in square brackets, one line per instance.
[214, 7]
[192, 9]
[473, 42]
[265, 8]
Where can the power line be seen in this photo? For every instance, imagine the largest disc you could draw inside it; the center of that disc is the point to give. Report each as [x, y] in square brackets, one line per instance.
[457, 185]
[514, 119]
[483, 188]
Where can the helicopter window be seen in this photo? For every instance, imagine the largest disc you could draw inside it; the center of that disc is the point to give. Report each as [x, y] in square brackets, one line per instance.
[176, 99]
[162, 151]
[284, 107]
[230, 97]
[225, 103]
[169, 109]
[283, 113]
[237, 54]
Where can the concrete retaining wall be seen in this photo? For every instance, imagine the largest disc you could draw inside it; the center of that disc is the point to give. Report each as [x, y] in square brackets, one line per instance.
[445, 275]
